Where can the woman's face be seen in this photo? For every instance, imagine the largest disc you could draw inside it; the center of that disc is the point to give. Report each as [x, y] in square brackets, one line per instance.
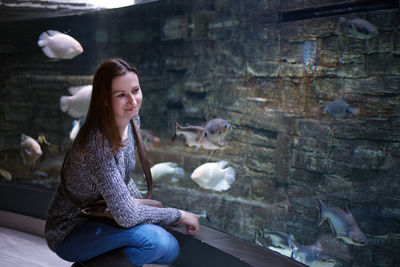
[126, 97]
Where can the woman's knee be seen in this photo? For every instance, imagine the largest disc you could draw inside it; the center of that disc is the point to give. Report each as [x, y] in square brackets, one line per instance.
[160, 242]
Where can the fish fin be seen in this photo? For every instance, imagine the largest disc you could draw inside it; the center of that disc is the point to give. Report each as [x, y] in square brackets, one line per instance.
[229, 175]
[348, 211]
[180, 173]
[321, 207]
[64, 103]
[52, 32]
[222, 164]
[48, 52]
[43, 39]
[74, 89]
[171, 164]
[334, 233]
[27, 151]
[354, 111]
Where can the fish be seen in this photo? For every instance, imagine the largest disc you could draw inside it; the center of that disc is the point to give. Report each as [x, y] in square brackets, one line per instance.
[77, 105]
[343, 224]
[283, 251]
[339, 109]
[30, 150]
[75, 129]
[310, 56]
[149, 139]
[194, 137]
[57, 45]
[214, 176]
[51, 166]
[215, 131]
[312, 255]
[167, 171]
[279, 239]
[358, 28]
[203, 215]
[47, 147]
[5, 174]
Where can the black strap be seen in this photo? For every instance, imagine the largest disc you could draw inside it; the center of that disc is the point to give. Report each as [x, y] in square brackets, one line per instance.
[144, 161]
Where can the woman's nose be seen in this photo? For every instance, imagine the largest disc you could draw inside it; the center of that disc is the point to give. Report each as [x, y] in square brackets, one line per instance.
[132, 99]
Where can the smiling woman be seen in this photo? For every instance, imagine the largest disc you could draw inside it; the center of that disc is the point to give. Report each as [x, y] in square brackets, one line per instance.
[99, 166]
[126, 100]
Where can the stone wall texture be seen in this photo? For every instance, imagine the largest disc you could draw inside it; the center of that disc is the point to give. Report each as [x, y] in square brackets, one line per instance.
[268, 72]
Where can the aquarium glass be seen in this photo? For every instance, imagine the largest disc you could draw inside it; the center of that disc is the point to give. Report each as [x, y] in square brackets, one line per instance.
[275, 121]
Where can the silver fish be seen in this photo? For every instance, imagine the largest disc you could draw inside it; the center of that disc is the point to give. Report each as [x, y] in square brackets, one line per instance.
[312, 255]
[359, 28]
[339, 109]
[215, 131]
[58, 45]
[192, 135]
[279, 239]
[77, 105]
[30, 150]
[343, 224]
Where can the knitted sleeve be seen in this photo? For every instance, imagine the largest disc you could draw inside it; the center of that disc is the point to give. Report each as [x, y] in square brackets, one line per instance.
[109, 181]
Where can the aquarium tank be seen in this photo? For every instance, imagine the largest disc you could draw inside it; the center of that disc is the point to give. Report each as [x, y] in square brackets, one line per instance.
[276, 121]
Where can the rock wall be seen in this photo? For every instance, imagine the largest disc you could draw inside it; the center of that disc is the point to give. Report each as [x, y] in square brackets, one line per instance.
[267, 67]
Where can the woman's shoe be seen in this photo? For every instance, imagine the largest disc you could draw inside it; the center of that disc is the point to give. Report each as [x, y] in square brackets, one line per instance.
[113, 258]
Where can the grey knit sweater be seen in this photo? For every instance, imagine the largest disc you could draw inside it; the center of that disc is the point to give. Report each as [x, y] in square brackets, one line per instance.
[100, 174]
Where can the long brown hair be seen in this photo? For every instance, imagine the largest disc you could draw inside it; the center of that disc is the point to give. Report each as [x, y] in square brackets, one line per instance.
[100, 114]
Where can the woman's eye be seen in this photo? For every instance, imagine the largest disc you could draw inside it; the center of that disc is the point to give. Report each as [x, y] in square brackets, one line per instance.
[120, 95]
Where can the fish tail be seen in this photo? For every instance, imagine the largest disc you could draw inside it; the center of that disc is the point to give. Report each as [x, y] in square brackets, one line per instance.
[322, 208]
[179, 172]
[43, 39]
[64, 103]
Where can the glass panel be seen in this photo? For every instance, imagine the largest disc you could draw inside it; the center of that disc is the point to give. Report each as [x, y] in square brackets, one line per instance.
[296, 105]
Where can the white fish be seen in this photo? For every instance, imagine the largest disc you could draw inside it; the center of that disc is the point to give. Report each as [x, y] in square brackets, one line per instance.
[58, 45]
[77, 105]
[75, 129]
[6, 174]
[214, 176]
[167, 170]
[30, 150]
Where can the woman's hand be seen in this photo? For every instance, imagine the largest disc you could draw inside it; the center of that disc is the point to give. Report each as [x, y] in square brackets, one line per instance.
[190, 220]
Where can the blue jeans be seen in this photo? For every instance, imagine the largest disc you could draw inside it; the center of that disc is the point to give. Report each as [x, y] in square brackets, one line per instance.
[144, 244]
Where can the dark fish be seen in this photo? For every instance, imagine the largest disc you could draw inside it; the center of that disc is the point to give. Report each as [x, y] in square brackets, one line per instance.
[358, 28]
[149, 139]
[343, 224]
[339, 109]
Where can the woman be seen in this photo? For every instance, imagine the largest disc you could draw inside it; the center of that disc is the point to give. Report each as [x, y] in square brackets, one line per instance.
[99, 165]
